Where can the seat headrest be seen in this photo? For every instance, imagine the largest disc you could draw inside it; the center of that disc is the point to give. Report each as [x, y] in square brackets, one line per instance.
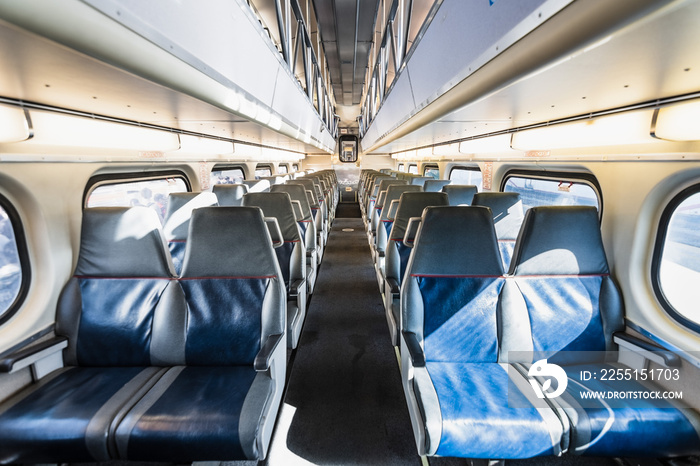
[309, 186]
[377, 181]
[412, 204]
[123, 242]
[460, 194]
[297, 192]
[180, 207]
[507, 209]
[278, 205]
[229, 242]
[230, 194]
[384, 186]
[394, 192]
[434, 186]
[456, 241]
[559, 240]
[257, 186]
[419, 180]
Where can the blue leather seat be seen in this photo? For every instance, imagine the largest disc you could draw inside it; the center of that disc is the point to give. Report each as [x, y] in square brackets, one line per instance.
[298, 195]
[419, 180]
[411, 204]
[376, 212]
[226, 329]
[435, 186]
[507, 210]
[291, 256]
[371, 196]
[385, 222]
[460, 194]
[230, 194]
[258, 186]
[106, 312]
[177, 221]
[319, 211]
[562, 294]
[462, 402]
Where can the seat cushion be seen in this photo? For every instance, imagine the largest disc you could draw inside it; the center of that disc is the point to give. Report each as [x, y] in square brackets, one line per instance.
[452, 304]
[477, 420]
[570, 304]
[192, 414]
[177, 252]
[630, 427]
[66, 416]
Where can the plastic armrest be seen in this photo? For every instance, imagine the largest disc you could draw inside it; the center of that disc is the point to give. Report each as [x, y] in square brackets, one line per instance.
[28, 356]
[394, 287]
[415, 352]
[648, 350]
[264, 356]
[295, 286]
[411, 231]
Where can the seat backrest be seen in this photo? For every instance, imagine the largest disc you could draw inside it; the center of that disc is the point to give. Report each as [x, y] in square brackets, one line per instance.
[393, 193]
[434, 186]
[381, 196]
[507, 210]
[460, 194]
[411, 204]
[108, 307]
[452, 283]
[279, 206]
[230, 194]
[297, 193]
[233, 288]
[257, 186]
[177, 221]
[419, 180]
[561, 295]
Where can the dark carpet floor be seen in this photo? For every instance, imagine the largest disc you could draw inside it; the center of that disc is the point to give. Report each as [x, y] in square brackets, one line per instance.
[344, 402]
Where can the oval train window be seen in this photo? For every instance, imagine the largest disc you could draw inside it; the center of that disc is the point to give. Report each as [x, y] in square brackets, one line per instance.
[676, 265]
[14, 263]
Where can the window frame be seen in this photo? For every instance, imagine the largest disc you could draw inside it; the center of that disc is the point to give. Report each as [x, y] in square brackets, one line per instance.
[263, 166]
[401, 168]
[24, 262]
[218, 168]
[431, 167]
[657, 254]
[285, 165]
[295, 167]
[408, 169]
[574, 177]
[472, 168]
[128, 177]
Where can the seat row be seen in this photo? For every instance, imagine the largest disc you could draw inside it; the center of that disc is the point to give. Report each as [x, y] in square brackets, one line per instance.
[480, 348]
[149, 366]
[298, 244]
[391, 230]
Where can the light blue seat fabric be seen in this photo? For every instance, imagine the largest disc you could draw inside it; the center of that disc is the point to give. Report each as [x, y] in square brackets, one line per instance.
[230, 194]
[460, 194]
[411, 204]
[562, 293]
[291, 256]
[508, 214]
[462, 401]
[177, 221]
[435, 186]
[310, 238]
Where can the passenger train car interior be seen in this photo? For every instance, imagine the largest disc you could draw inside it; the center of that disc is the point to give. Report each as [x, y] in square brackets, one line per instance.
[350, 232]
